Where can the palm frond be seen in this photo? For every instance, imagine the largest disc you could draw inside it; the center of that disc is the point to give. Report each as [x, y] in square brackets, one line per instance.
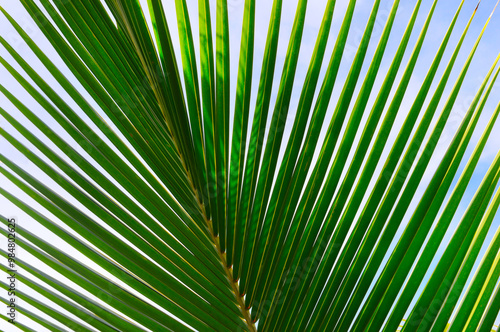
[163, 182]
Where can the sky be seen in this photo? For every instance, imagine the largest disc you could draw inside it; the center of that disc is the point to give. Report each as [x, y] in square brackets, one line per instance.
[487, 51]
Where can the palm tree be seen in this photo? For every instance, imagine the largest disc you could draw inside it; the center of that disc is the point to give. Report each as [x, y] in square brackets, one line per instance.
[165, 194]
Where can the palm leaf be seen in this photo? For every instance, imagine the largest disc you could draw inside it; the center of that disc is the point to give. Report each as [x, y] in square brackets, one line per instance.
[147, 202]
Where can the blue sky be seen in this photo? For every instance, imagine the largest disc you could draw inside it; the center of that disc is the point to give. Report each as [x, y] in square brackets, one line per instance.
[486, 53]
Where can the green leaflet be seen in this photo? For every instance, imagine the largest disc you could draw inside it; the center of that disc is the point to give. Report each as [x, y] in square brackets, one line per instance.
[240, 128]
